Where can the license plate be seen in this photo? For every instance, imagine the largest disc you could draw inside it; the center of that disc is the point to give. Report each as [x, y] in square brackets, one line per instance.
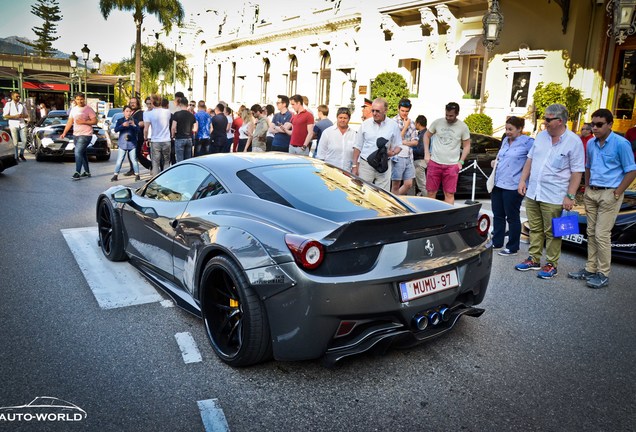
[574, 238]
[429, 285]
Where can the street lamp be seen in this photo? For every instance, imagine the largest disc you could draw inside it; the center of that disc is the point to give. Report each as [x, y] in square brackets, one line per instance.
[97, 63]
[493, 23]
[20, 72]
[162, 78]
[622, 23]
[73, 61]
[132, 81]
[354, 81]
[85, 54]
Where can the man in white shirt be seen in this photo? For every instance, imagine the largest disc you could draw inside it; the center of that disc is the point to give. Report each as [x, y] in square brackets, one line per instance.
[16, 113]
[555, 166]
[336, 142]
[366, 143]
[159, 119]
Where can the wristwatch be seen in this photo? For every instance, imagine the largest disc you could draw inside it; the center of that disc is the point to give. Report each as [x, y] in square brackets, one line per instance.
[571, 196]
[354, 166]
[461, 162]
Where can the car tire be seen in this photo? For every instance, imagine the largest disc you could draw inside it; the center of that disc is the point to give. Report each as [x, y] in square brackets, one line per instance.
[39, 156]
[234, 317]
[111, 235]
[103, 158]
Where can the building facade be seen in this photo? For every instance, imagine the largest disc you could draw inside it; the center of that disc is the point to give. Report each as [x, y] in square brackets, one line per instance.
[330, 51]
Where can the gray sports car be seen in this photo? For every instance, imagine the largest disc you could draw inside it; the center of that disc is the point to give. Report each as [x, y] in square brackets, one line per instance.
[289, 257]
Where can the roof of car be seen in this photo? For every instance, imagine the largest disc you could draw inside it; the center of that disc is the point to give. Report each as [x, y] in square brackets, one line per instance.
[57, 113]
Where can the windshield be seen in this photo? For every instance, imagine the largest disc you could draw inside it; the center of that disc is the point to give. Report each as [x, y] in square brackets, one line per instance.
[48, 121]
[321, 190]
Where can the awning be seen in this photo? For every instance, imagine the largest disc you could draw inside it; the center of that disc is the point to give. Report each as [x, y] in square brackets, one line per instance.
[471, 45]
[45, 86]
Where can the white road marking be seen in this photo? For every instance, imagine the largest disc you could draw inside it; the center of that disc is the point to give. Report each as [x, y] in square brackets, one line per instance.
[114, 285]
[213, 416]
[189, 350]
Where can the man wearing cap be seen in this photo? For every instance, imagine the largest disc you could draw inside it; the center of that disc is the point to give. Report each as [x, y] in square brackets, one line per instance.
[443, 159]
[366, 109]
[375, 131]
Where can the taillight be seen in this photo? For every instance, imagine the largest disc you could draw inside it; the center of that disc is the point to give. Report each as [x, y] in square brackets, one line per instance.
[483, 225]
[308, 253]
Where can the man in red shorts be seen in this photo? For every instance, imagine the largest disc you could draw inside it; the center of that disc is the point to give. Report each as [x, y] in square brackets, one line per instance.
[443, 158]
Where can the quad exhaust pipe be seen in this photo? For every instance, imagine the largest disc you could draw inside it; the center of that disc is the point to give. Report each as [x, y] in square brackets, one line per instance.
[433, 317]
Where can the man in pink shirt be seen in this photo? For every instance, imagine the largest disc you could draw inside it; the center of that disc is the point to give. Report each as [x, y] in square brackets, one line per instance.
[302, 127]
[81, 119]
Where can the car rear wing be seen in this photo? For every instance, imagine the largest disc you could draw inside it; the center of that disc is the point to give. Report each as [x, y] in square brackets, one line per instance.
[369, 232]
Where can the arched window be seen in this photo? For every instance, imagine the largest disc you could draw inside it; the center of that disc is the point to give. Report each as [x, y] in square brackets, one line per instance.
[325, 79]
[265, 83]
[293, 76]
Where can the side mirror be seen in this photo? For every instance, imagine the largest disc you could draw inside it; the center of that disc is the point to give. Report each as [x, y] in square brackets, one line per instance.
[123, 196]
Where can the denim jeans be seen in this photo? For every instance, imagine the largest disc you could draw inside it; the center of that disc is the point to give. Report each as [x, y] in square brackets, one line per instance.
[158, 149]
[182, 148]
[202, 147]
[81, 156]
[121, 155]
[18, 132]
[505, 207]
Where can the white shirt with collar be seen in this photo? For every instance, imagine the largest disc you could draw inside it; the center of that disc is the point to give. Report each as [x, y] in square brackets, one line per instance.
[11, 108]
[370, 131]
[336, 147]
[553, 165]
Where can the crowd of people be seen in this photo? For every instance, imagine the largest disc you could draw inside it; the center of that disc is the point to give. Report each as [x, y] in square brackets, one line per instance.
[545, 172]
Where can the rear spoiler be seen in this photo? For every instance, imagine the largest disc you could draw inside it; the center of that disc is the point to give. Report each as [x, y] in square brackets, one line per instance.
[370, 232]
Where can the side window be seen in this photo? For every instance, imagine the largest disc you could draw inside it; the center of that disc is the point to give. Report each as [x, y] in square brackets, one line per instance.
[177, 184]
[209, 187]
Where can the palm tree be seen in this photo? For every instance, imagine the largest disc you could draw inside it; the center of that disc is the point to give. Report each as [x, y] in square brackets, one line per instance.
[166, 11]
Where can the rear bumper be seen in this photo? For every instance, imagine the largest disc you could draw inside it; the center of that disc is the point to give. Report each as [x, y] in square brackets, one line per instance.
[304, 319]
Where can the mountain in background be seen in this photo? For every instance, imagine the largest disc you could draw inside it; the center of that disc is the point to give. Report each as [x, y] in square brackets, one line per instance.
[11, 45]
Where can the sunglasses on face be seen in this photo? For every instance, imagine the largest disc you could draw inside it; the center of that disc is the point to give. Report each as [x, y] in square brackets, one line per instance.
[375, 111]
[598, 124]
[548, 120]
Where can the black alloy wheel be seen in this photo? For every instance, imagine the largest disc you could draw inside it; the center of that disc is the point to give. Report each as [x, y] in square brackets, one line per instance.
[111, 237]
[234, 317]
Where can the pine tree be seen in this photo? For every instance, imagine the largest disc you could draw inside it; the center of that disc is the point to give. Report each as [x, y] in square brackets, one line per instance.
[49, 12]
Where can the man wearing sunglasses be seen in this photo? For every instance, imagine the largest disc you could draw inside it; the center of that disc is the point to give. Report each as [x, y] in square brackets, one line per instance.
[554, 168]
[609, 170]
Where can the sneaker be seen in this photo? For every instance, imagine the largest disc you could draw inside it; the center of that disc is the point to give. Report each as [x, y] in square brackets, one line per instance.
[85, 174]
[76, 176]
[137, 178]
[599, 280]
[581, 274]
[528, 264]
[113, 178]
[548, 271]
[129, 173]
[496, 247]
[506, 252]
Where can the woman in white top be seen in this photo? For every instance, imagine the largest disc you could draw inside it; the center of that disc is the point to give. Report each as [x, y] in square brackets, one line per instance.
[246, 130]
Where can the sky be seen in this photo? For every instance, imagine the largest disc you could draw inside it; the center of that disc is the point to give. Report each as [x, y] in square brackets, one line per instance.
[82, 23]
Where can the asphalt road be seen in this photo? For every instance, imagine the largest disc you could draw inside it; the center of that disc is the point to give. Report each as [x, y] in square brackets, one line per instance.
[545, 356]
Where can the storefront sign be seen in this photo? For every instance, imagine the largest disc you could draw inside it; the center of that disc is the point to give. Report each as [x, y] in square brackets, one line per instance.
[45, 86]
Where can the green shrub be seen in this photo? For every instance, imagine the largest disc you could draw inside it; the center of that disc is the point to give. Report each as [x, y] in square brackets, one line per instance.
[551, 93]
[479, 123]
[392, 87]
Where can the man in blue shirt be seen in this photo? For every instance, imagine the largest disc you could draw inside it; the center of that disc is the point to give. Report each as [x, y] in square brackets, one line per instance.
[202, 129]
[609, 170]
[281, 134]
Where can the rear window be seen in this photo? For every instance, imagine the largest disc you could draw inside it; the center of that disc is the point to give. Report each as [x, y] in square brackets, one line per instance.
[321, 190]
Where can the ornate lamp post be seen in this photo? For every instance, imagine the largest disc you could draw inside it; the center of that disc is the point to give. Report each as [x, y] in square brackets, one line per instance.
[354, 81]
[85, 54]
[493, 23]
[20, 72]
[73, 61]
[162, 79]
[132, 81]
[622, 23]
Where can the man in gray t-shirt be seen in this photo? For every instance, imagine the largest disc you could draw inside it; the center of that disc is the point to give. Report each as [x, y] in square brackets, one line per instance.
[444, 160]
